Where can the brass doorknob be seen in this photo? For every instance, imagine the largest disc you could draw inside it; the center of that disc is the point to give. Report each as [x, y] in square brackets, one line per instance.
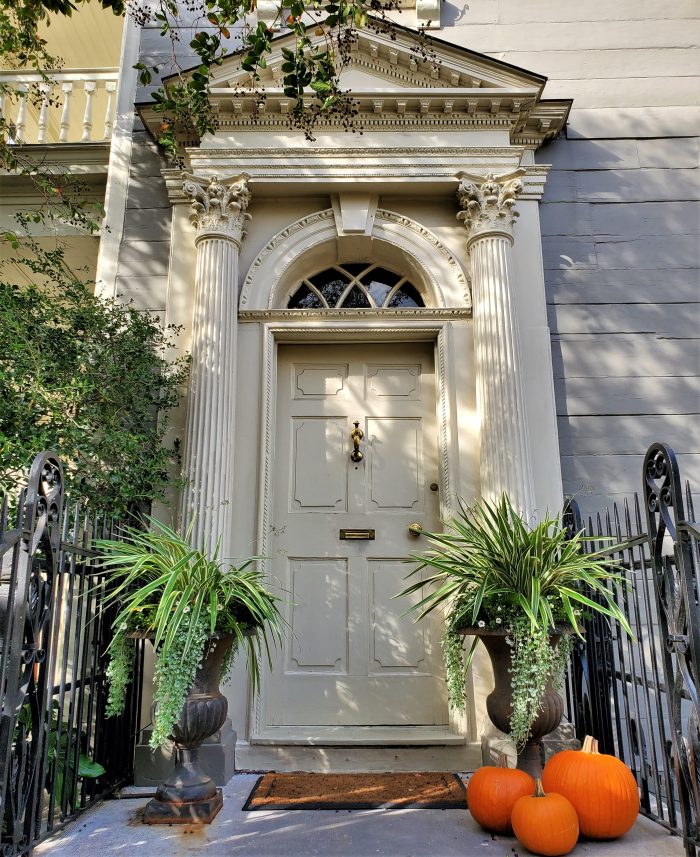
[415, 529]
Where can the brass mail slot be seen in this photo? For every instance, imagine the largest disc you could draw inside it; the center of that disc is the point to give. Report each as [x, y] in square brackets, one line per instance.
[349, 535]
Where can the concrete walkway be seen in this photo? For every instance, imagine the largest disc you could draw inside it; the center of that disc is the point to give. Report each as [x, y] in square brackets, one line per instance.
[114, 828]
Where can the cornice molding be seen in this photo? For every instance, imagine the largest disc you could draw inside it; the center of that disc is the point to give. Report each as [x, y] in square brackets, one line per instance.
[459, 89]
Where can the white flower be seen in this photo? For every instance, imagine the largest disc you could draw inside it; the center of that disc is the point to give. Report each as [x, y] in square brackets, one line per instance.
[481, 623]
[187, 609]
[122, 627]
[498, 619]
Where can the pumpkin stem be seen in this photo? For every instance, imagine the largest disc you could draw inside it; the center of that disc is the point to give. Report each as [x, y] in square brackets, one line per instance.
[502, 760]
[590, 745]
[539, 791]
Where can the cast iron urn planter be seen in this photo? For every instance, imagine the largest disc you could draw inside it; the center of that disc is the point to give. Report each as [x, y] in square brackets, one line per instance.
[500, 701]
[189, 796]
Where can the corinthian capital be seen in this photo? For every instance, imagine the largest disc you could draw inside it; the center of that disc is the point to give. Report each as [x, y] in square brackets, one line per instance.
[490, 206]
[219, 209]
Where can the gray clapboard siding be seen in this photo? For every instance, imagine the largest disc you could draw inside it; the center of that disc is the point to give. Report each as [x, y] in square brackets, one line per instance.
[616, 474]
[626, 91]
[672, 320]
[143, 258]
[624, 356]
[640, 219]
[643, 122]
[620, 433]
[148, 193]
[146, 293]
[648, 252]
[667, 62]
[572, 35]
[632, 278]
[682, 290]
[547, 11]
[667, 153]
[648, 185]
[145, 225]
[604, 222]
[628, 395]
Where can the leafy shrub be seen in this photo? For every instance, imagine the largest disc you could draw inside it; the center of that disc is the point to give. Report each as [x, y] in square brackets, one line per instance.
[87, 377]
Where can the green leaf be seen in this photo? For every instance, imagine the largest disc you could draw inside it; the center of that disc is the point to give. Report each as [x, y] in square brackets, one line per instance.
[88, 768]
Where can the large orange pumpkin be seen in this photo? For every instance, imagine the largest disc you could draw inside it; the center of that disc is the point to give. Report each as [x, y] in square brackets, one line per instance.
[545, 823]
[492, 792]
[601, 788]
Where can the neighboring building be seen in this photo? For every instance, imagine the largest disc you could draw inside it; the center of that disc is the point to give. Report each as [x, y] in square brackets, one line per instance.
[66, 126]
[331, 282]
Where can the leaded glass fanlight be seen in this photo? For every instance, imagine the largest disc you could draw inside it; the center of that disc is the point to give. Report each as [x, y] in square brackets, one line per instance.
[356, 285]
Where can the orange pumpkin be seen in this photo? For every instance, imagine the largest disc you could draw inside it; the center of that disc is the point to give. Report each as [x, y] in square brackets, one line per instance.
[492, 792]
[601, 788]
[545, 823]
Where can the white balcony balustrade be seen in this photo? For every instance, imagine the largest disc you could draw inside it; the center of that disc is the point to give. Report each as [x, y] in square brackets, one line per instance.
[69, 106]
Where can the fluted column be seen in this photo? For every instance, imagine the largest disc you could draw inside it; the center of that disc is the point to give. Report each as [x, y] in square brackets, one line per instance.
[488, 213]
[219, 214]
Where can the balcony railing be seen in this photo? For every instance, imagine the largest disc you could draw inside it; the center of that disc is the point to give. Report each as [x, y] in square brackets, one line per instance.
[69, 106]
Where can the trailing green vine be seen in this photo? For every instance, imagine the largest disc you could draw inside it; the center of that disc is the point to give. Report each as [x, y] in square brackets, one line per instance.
[534, 663]
[119, 672]
[455, 673]
[175, 669]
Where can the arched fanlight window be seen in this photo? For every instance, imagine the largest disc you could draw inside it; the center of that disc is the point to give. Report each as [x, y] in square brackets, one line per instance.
[356, 285]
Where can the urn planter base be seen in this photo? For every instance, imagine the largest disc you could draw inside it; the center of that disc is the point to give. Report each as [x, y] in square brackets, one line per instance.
[201, 812]
[189, 795]
[499, 701]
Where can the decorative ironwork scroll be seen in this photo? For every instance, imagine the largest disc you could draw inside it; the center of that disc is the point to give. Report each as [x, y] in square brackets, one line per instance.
[54, 634]
[674, 543]
[26, 602]
[638, 695]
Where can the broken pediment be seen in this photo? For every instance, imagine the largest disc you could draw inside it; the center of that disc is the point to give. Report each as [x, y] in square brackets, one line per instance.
[400, 82]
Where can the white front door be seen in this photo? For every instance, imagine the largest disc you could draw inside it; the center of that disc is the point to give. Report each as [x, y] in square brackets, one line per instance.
[340, 535]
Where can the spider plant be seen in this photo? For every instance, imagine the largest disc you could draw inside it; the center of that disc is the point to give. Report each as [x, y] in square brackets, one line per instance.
[488, 570]
[181, 596]
[488, 555]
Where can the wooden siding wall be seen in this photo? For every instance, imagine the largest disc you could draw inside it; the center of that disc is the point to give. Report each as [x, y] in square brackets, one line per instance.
[620, 223]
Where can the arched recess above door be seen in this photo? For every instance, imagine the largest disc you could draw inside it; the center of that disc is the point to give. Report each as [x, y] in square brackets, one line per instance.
[397, 242]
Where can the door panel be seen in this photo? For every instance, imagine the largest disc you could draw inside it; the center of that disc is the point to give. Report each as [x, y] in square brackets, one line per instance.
[395, 463]
[320, 474]
[351, 657]
[317, 638]
[398, 643]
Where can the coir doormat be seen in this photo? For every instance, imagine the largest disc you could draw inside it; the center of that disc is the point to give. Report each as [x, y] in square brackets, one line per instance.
[435, 790]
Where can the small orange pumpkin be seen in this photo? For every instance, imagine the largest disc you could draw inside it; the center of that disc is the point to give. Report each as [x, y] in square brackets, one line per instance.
[601, 788]
[545, 823]
[492, 792]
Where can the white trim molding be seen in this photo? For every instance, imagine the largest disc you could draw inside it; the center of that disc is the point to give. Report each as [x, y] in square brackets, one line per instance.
[394, 238]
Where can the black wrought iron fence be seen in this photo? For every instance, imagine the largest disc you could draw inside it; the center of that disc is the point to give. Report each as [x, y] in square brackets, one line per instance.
[58, 752]
[639, 697]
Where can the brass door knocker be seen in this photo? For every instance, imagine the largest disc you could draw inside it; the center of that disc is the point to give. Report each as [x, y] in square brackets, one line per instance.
[356, 434]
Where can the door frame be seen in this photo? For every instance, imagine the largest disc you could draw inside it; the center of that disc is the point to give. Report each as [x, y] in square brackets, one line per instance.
[378, 329]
